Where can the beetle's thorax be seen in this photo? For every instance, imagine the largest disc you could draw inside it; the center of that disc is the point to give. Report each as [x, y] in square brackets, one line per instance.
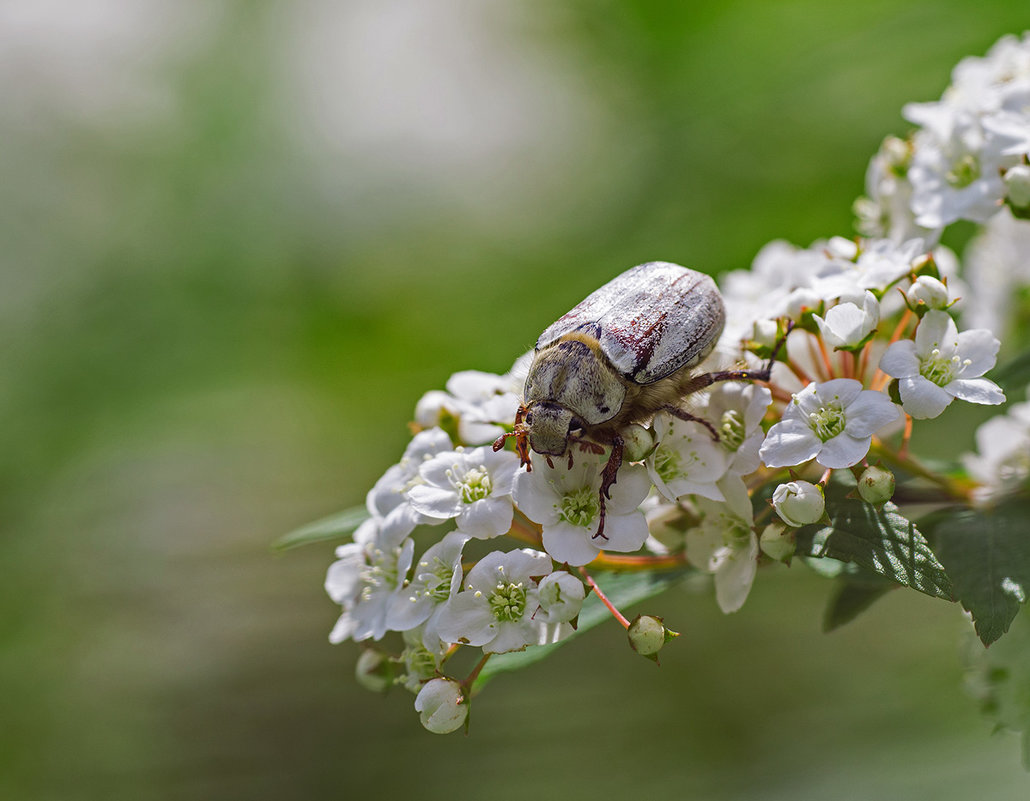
[569, 379]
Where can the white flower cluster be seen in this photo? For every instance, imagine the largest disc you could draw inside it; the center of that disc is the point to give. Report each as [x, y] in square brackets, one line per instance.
[870, 344]
[968, 156]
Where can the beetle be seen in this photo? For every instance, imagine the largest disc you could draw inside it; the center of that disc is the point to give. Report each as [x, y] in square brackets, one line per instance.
[622, 355]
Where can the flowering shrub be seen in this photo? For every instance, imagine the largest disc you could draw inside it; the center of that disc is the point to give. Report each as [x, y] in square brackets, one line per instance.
[464, 548]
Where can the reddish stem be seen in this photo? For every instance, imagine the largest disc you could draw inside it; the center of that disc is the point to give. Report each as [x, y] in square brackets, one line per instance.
[604, 599]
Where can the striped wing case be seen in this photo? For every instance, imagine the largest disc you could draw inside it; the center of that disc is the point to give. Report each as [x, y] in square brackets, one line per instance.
[650, 321]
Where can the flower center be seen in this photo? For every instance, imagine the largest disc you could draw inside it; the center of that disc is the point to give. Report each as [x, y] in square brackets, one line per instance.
[436, 580]
[940, 369]
[580, 507]
[474, 486]
[381, 574]
[735, 535]
[732, 430]
[419, 661]
[508, 602]
[667, 463]
[827, 421]
[963, 171]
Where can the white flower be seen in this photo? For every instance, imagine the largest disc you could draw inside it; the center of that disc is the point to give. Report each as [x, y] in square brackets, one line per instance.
[387, 499]
[496, 609]
[725, 544]
[1002, 461]
[846, 325]
[565, 503]
[420, 661]
[687, 461]
[799, 503]
[955, 169]
[441, 706]
[472, 486]
[365, 580]
[736, 409]
[941, 364]
[478, 401]
[437, 577]
[996, 264]
[832, 422]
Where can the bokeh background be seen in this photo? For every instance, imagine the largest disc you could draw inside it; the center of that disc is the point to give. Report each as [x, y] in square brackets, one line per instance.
[241, 238]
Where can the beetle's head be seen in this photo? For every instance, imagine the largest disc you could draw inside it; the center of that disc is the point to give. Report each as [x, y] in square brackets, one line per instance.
[549, 426]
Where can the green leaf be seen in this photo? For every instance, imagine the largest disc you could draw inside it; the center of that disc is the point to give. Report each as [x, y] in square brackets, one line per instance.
[328, 528]
[622, 589]
[1014, 374]
[853, 597]
[880, 540]
[987, 554]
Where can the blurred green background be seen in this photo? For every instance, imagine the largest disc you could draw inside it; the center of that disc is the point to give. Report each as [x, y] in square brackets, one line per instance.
[241, 239]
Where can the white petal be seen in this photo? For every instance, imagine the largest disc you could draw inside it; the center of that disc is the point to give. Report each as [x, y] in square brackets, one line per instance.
[536, 498]
[980, 346]
[513, 636]
[466, 617]
[922, 398]
[735, 576]
[842, 390]
[487, 518]
[976, 390]
[629, 490]
[843, 450]
[573, 544]
[434, 502]
[936, 330]
[868, 413]
[900, 360]
[623, 532]
[789, 442]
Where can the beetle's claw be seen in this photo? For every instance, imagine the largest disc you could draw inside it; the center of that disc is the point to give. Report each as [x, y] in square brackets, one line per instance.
[601, 516]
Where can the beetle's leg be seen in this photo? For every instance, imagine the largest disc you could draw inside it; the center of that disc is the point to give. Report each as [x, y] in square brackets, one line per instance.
[570, 458]
[549, 462]
[682, 415]
[587, 445]
[521, 439]
[608, 477]
[704, 380]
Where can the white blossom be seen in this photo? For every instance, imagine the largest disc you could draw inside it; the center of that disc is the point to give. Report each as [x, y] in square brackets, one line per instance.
[479, 402]
[496, 608]
[941, 364]
[736, 409]
[832, 422]
[566, 504]
[687, 460]
[725, 544]
[365, 580]
[473, 487]
[1002, 461]
[436, 578]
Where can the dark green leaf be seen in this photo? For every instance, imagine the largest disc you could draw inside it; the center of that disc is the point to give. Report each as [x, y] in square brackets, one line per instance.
[852, 598]
[1014, 374]
[622, 590]
[328, 528]
[880, 540]
[987, 554]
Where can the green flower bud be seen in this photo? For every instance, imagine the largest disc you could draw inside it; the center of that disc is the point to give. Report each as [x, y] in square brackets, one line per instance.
[777, 542]
[648, 635]
[374, 670]
[638, 442]
[799, 503]
[876, 485]
[441, 706]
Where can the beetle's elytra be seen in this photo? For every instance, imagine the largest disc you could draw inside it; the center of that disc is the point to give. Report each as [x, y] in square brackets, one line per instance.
[619, 357]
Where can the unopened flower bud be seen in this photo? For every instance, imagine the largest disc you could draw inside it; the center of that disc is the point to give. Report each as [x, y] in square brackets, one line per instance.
[648, 635]
[441, 706]
[766, 333]
[561, 597]
[876, 485]
[777, 542]
[638, 442]
[374, 670]
[799, 503]
[927, 293]
[1017, 184]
